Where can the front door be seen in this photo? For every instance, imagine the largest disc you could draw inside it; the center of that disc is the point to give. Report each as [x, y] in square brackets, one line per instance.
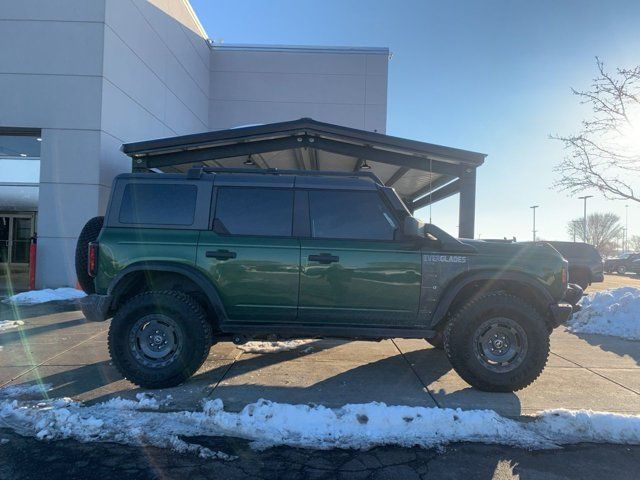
[16, 231]
[250, 254]
[353, 270]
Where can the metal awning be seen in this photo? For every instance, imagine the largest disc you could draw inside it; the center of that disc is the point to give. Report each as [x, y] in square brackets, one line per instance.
[420, 172]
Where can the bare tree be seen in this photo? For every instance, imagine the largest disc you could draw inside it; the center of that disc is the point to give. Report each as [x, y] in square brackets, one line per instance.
[605, 154]
[603, 230]
[634, 243]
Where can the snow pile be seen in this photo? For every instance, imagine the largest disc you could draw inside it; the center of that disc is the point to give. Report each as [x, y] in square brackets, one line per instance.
[270, 424]
[611, 312]
[9, 324]
[47, 295]
[273, 347]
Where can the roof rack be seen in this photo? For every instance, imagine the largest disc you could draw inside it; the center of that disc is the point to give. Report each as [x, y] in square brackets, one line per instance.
[196, 172]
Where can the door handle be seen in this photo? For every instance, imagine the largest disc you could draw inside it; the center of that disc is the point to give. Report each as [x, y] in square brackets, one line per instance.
[220, 254]
[324, 258]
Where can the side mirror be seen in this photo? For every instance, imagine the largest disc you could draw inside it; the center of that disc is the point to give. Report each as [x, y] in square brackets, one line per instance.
[412, 227]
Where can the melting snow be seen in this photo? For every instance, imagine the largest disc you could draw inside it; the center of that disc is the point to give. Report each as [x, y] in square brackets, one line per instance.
[47, 295]
[269, 424]
[273, 347]
[611, 312]
[8, 324]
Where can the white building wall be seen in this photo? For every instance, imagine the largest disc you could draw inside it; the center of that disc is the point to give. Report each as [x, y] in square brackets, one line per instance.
[264, 84]
[93, 74]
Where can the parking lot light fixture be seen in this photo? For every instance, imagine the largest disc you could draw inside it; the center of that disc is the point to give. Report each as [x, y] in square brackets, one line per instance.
[584, 220]
[534, 207]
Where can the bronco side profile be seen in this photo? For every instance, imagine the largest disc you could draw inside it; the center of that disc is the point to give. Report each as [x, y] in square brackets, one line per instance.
[181, 261]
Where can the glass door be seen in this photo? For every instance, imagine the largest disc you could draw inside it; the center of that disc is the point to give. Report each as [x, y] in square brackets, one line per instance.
[16, 231]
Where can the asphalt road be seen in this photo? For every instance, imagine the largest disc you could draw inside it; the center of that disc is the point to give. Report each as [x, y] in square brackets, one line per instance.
[27, 458]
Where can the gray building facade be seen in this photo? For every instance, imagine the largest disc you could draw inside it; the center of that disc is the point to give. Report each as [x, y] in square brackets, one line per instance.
[78, 78]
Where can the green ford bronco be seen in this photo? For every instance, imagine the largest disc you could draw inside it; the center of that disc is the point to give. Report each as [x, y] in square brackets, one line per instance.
[183, 260]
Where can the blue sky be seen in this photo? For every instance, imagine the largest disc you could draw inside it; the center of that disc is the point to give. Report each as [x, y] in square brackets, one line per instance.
[490, 76]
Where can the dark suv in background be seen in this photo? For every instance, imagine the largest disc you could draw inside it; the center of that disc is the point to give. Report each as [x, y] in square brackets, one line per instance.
[181, 261]
[585, 263]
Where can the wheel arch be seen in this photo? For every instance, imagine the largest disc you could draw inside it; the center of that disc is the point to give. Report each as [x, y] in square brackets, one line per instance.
[158, 275]
[472, 285]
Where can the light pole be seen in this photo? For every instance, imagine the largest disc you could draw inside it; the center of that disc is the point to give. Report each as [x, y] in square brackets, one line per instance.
[584, 221]
[533, 207]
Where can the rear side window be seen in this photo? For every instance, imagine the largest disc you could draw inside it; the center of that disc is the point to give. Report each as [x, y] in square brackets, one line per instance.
[354, 215]
[158, 204]
[254, 211]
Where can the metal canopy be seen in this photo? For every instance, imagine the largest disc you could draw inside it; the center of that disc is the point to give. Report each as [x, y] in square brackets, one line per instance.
[420, 172]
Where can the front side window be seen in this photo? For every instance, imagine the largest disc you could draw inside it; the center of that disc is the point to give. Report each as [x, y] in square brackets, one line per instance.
[354, 215]
[158, 204]
[254, 211]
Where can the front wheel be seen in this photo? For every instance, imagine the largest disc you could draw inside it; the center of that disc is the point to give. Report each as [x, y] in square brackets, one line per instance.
[621, 269]
[159, 339]
[497, 343]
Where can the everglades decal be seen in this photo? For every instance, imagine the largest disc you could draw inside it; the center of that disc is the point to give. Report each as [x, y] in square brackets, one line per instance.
[444, 258]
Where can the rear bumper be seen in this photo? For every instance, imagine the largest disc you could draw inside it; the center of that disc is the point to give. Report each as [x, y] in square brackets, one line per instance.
[96, 307]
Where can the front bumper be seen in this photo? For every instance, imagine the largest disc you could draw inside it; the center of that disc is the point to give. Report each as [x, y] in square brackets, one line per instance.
[96, 307]
[561, 312]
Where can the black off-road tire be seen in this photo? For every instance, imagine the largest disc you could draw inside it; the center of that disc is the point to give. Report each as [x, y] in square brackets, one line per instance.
[193, 330]
[459, 342]
[437, 342]
[621, 270]
[89, 234]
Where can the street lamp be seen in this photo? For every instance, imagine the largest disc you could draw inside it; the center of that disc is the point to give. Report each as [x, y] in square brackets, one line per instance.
[533, 207]
[584, 221]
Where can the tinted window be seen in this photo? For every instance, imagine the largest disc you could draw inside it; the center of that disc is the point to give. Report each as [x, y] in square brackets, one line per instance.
[255, 211]
[357, 215]
[158, 204]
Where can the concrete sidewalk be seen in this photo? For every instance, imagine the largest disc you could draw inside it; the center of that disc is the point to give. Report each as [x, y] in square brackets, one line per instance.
[584, 372]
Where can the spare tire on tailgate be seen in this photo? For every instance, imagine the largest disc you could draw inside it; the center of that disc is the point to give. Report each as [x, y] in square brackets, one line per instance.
[89, 234]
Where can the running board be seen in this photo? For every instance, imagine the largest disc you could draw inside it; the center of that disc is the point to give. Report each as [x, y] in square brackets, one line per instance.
[336, 331]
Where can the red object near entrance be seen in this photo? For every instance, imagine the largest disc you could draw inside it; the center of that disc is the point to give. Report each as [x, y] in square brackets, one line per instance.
[32, 262]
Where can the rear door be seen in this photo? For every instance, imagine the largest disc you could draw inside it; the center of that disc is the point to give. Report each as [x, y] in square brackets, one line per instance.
[250, 254]
[354, 269]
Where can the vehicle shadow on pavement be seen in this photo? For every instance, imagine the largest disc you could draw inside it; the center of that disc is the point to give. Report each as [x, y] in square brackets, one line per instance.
[413, 378]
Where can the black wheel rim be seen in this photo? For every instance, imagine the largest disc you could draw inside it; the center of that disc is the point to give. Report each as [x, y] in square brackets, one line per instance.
[500, 344]
[155, 340]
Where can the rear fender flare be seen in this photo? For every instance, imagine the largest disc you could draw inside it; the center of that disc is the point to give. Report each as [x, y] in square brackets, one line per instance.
[187, 271]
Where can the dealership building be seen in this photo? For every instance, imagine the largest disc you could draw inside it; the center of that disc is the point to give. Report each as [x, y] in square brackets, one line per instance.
[80, 78]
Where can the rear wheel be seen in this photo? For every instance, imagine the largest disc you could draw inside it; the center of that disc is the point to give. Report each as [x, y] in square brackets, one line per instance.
[497, 343]
[621, 269]
[580, 278]
[159, 339]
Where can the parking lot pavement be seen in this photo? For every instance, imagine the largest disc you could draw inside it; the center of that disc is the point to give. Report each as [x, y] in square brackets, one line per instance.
[584, 371]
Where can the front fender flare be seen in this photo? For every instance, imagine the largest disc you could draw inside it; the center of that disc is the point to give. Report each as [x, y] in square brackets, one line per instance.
[456, 286]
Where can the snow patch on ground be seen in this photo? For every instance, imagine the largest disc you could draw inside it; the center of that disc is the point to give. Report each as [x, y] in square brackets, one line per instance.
[267, 424]
[9, 324]
[274, 347]
[611, 312]
[47, 295]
